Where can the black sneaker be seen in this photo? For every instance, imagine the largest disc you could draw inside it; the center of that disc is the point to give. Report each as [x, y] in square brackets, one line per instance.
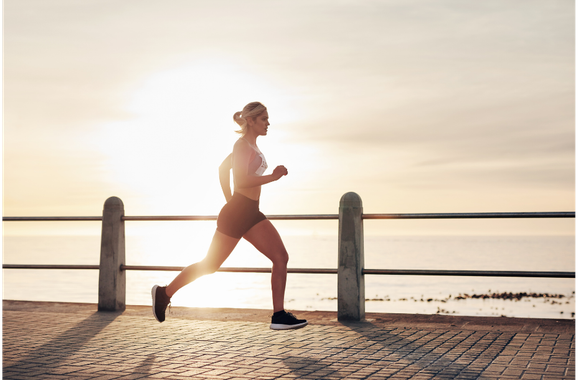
[160, 302]
[282, 320]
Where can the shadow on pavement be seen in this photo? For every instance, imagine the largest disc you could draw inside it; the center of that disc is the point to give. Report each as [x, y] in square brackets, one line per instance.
[51, 354]
[146, 366]
[405, 352]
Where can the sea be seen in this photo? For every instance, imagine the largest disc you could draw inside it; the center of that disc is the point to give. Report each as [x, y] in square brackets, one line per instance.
[174, 244]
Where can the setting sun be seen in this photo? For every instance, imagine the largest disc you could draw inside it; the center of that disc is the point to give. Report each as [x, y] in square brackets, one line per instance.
[180, 129]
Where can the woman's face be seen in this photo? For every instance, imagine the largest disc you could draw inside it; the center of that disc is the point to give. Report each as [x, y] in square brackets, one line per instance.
[260, 124]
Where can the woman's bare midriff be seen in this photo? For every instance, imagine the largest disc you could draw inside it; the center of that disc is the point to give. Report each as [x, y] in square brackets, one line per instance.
[250, 192]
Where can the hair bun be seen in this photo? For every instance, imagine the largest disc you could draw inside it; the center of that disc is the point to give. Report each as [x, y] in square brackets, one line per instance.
[239, 119]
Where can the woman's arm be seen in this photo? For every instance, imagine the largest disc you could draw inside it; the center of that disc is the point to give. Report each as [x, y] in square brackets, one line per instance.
[225, 176]
[243, 152]
[254, 181]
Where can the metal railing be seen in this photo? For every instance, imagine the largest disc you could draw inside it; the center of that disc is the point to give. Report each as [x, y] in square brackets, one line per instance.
[465, 215]
[350, 219]
[403, 272]
[390, 272]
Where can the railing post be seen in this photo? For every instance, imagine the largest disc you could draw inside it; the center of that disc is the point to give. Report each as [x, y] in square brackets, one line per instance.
[111, 280]
[350, 282]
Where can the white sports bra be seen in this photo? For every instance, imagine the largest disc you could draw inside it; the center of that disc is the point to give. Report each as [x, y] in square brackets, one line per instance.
[258, 164]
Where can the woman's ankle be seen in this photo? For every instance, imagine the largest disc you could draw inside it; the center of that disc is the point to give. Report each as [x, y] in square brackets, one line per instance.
[170, 295]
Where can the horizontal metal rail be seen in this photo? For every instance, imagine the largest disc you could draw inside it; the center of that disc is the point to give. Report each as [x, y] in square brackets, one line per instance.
[402, 272]
[411, 272]
[474, 215]
[169, 268]
[51, 218]
[48, 266]
[214, 217]
[231, 269]
[469, 273]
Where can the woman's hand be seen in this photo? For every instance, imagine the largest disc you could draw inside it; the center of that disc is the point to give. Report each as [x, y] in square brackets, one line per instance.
[279, 172]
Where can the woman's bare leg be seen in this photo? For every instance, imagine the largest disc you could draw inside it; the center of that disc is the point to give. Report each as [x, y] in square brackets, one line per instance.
[221, 247]
[266, 239]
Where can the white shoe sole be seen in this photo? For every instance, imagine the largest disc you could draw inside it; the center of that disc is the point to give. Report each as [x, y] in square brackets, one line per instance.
[153, 292]
[278, 326]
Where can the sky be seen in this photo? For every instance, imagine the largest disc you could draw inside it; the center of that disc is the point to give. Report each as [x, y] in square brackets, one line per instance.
[417, 106]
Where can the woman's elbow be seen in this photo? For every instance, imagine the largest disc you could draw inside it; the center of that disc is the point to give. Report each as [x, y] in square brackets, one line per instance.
[226, 165]
[224, 170]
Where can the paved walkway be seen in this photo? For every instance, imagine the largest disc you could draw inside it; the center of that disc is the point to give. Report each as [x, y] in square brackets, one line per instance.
[73, 341]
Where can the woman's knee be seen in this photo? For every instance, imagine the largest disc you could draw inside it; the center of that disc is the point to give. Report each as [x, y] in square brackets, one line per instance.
[209, 266]
[280, 258]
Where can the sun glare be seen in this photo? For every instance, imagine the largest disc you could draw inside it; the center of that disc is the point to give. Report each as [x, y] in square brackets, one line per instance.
[167, 154]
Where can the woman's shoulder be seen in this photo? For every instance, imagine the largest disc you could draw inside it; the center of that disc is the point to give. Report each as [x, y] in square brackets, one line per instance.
[241, 141]
[242, 144]
[243, 148]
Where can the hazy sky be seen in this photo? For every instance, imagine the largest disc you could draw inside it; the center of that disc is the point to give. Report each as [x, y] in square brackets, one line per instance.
[418, 106]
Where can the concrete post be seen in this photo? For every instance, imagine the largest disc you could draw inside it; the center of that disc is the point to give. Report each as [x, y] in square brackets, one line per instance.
[111, 280]
[350, 282]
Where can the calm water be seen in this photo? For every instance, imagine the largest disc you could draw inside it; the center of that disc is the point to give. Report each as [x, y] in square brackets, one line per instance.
[397, 294]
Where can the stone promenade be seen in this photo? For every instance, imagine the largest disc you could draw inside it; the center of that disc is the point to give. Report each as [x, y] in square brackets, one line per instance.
[44, 340]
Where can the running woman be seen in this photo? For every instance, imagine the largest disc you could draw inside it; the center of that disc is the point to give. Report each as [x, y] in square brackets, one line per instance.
[241, 218]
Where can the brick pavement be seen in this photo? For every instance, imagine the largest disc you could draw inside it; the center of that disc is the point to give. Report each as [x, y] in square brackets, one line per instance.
[73, 341]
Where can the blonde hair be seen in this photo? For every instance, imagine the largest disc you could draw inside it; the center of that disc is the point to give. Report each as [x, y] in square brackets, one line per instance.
[251, 110]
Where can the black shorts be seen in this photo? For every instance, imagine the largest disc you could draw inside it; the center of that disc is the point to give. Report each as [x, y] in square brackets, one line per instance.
[238, 216]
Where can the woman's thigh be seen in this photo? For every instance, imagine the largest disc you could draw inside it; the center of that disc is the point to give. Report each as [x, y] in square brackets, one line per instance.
[266, 239]
[220, 249]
